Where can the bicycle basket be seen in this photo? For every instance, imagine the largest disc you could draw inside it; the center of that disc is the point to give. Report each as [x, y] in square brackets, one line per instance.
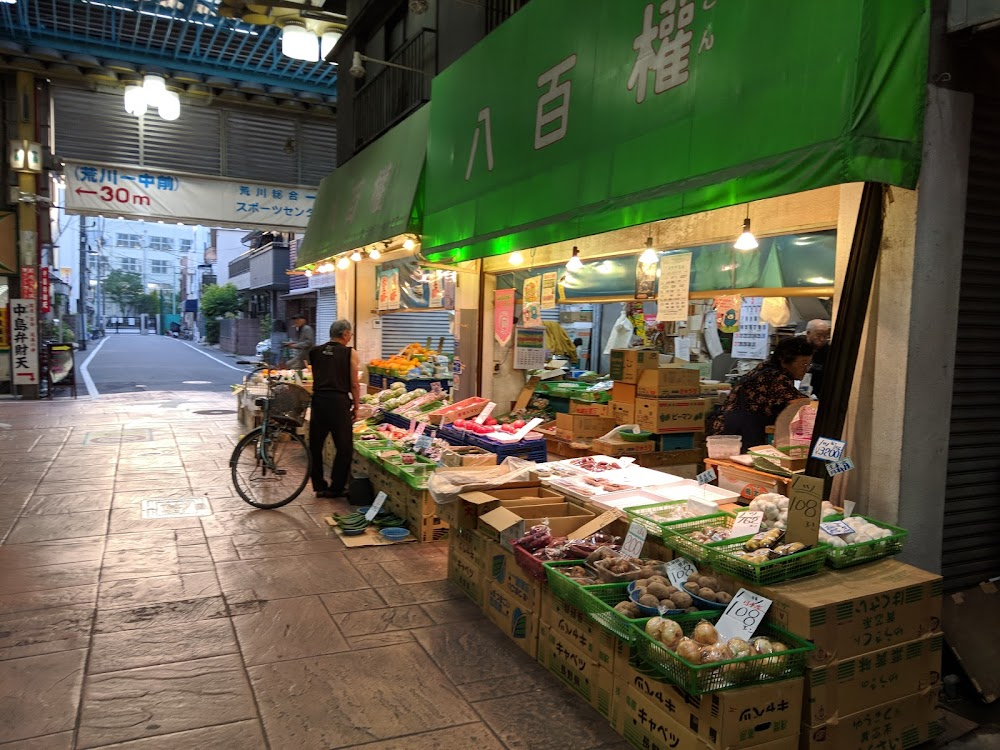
[289, 400]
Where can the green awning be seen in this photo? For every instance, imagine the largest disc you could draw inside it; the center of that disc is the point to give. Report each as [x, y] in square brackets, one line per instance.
[373, 197]
[574, 118]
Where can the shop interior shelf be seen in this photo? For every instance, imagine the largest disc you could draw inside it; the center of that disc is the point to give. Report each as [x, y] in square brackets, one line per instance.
[698, 679]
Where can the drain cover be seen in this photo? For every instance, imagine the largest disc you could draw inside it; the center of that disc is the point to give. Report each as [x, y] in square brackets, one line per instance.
[215, 412]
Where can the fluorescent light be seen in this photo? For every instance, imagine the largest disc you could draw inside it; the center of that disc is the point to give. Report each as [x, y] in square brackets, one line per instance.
[649, 254]
[746, 241]
[170, 106]
[818, 280]
[135, 100]
[298, 43]
[516, 258]
[574, 263]
[308, 273]
[328, 41]
[155, 88]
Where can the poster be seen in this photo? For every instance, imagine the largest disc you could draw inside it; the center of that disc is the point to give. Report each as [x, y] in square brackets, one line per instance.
[388, 289]
[529, 348]
[727, 313]
[675, 280]
[645, 280]
[436, 296]
[751, 340]
[531, 302]
[4, 330]
[549, 290]
[24, 337]
[503, 315]
[29, 282]
[44, 290]
[711, 331]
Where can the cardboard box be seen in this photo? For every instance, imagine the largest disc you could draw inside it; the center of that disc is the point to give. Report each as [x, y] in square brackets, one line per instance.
[503, 571]
[670, 415]
[668, 381]
[857, 610]
[619, 447]
[850, 685]
[623, 412]
[571, 316]
[624, 393]
[466, 575]
[465, 409]
[583, 633]
[585, 676]
[587, 409]
[473, 504]
[902, 723]
[459, 513]
[472, 546]
[507, 524]
[574, 426]
[467, 456]
[626, 364]
[517, 622]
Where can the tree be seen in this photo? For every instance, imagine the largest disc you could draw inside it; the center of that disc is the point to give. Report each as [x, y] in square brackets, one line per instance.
[148, 303]
[125, 289]
[217, 302]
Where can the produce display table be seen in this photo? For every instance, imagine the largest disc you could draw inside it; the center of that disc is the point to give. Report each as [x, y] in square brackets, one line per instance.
[402, 497]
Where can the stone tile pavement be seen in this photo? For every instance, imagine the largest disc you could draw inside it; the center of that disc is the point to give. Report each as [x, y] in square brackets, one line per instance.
[241, 629]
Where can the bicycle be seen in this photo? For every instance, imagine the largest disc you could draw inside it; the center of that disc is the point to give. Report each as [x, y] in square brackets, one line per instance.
[271, 464]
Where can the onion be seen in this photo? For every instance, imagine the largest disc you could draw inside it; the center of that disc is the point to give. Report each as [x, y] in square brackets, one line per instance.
[711, 654]
[762, 645]
[689, 650]
[706, 634]
[654, 626]
[670, 634]
[739, 648]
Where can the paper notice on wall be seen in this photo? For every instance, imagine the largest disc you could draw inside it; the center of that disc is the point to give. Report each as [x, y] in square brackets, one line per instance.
[712, 343]
[531, 302]
[549, 290]
[675, 280]
[388, 289]
[529, 348]
[752, 338]
[682, 348]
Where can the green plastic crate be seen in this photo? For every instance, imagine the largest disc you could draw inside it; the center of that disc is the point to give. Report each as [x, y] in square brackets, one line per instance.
[563, 587]
[660, 528]
[698, 679]
[799, 565]
[599, 604]
[862, 552]
[674, 536]
[416, 476]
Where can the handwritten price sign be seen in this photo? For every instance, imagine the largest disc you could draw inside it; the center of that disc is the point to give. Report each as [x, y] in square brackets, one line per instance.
[804, 503]
[828, 449]
[678, 571]
[833, 468]
[836, 528]
[376, 506]
[748, 522]
[743, 616]
[706, 476]
[636, 537]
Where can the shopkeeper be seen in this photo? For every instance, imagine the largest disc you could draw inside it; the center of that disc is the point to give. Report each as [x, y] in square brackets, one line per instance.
[757, 400]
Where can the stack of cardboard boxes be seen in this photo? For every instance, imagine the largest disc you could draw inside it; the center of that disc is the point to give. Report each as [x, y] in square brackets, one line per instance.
[663, 399]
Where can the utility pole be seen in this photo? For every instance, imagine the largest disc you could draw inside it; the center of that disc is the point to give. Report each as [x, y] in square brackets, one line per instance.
[81, 303]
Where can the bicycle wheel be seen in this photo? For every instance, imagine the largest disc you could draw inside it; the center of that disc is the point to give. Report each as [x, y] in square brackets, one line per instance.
[279, 476]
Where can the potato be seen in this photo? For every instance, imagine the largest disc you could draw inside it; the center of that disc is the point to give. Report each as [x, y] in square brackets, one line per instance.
[629, 609]
[692, 587]
[707, 594]
[682, 599]
[658, 590]
[639, 592]
[643, 582]
[708, 582]
[667, 604]
[723, 597]
[648, 600]
[659, 579]
[672, 590]
[694, 578]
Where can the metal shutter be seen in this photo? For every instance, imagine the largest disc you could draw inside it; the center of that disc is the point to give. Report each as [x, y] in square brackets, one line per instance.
[970, 552]
[90, 126]
[317, 145]
[188, 144]
[551, 314]
[400, 329]
[326, 313]
[256, 148]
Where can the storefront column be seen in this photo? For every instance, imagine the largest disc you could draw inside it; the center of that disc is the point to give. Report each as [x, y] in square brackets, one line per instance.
[467, 328]
[898, 426]
[27, 216]
[359, 309]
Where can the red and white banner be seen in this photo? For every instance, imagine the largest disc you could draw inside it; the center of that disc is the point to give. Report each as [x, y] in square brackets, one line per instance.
[503, 315]
[29, 282]
[24, 339]
[44, 290]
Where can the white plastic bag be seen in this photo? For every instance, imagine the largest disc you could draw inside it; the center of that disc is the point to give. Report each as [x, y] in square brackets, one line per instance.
[775, 311]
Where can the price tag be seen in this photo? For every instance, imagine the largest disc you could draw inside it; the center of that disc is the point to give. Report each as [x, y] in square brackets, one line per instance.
[828, 449]
[485, 413]
[805, 502]
[678, 571]
[420, 428]
[706, 476]
[636, 537]
[848, 508]
[519, 435]
[836, 528]
[833, 468]
[748, 522]
[424, 442]
[743, 616]
[376, 506]
[413, 425]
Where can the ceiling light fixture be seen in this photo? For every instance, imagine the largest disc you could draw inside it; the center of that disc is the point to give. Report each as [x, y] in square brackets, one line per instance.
[409, 244]
[328, 41]
[170, 106]
[574, 263]
[516, 258]
[374, 253]
[135, 100]
[343, 262]
[746, 241]
[154, 86]
[356, 256]
[649, 254]
[298, 43]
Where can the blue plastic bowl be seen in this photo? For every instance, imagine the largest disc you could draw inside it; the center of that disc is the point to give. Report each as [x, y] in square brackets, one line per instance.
[352, 532]
[647, 611]
[394, 533]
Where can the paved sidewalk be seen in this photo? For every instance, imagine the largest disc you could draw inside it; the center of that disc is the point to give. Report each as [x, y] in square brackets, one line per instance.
[242, 629]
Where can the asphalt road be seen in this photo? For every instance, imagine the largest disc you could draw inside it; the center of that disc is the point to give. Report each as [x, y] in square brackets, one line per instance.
[130, 363]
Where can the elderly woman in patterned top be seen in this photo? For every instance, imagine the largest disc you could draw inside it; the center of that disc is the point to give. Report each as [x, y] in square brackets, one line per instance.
[757, 400]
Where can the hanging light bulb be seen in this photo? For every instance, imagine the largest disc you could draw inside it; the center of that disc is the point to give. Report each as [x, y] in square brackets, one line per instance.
[344, 262]
[409, 244]
[154, 86]
[170, 106]
[649, 254]
[374, 253]
[298, 43]
[308, 273]
[746, 241]
[135, 100]
[328, 41]
[574, 263]
[516, 258]
[356, 256]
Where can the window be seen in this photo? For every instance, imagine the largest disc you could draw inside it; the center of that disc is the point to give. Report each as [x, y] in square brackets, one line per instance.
[131, 265]
[186, 246]
[161, 267]
[161, 243]
[128, 240]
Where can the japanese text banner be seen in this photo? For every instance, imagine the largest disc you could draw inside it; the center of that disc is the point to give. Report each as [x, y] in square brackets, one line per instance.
[134, 192]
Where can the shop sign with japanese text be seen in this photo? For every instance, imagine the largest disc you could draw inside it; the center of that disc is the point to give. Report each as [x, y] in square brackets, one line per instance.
[44, 290]
[29, 282]
[24, 338]
[136, 192]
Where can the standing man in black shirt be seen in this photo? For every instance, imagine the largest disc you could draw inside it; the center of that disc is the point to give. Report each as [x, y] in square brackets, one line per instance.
[336, 395]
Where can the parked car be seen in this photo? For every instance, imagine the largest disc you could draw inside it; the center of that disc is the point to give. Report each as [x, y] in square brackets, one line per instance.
[263, 348]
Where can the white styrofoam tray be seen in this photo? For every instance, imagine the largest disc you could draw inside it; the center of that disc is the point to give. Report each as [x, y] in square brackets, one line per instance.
[689, 488]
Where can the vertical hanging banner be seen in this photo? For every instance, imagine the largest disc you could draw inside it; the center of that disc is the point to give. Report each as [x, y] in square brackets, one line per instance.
[29, 282]
[549, 289]
[436, 294]
[531, 302]
[645, 280]
[529, 348]
[503, 315]
[24, 337]
[44, 290]
[388, 289]
[751, 340]
[675, 280]
[4, 330]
